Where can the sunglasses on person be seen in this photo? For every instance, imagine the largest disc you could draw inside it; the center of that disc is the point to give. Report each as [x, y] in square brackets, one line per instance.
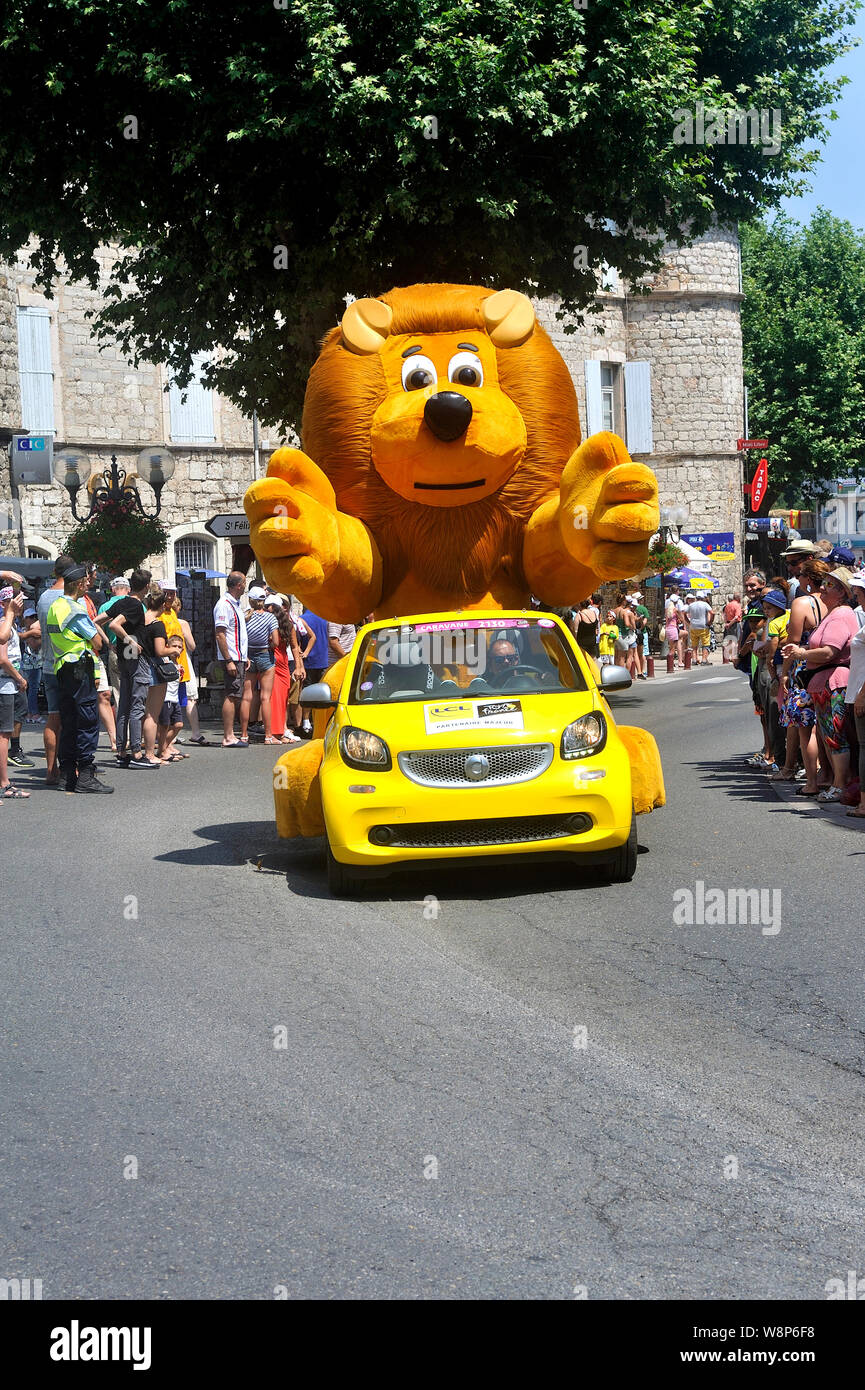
[506, 660]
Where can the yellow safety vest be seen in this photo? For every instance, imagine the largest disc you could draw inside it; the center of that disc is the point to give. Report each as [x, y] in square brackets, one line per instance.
[68, 646]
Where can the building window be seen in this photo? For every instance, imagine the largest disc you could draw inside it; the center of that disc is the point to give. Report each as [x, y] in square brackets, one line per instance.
[609, 382]
[191, 408]
[193, 553]
[35, 552]
[35, 373]
[619, 399]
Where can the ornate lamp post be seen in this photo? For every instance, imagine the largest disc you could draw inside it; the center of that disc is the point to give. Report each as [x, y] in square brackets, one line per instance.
[154, 464]
[675, 516]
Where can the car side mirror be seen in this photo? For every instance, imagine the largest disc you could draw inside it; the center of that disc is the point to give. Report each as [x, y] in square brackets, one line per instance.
[615, 678]
[318, 696]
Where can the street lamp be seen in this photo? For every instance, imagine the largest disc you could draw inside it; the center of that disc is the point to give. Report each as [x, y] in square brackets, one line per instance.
[675, 516]
[154, 464]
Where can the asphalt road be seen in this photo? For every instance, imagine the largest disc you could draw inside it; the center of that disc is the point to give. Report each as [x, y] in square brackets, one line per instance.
[433, 1126]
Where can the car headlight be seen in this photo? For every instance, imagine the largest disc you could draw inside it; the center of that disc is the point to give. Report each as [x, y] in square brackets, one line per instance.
[364, 750]
[585, 736]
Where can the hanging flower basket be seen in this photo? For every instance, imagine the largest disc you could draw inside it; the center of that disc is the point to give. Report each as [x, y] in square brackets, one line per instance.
[117, 537]
[663, 557]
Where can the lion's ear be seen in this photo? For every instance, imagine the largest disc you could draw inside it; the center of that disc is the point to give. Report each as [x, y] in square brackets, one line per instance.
[508, 318]
[366, 325]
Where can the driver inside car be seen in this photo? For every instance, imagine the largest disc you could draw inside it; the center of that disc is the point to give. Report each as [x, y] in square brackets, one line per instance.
[501, 664]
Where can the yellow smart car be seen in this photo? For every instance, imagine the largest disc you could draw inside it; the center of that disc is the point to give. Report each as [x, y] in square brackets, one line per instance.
[474, 735]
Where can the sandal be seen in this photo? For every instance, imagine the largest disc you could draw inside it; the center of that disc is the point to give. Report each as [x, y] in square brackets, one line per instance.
[858, 813]
[830, 796]
[782, 775]
[270, 739]
[201, 741]
[11, 793]
[803, 791]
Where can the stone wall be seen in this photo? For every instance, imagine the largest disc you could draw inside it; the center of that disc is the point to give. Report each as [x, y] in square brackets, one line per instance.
[688, 328]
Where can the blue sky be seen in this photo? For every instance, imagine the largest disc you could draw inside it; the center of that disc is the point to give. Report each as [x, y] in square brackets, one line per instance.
[838, 181]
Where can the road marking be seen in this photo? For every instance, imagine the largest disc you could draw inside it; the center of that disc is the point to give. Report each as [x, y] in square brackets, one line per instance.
[716, 680]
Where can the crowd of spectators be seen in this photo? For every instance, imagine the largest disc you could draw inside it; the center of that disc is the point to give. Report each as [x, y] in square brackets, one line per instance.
[270, 648]
[141, 651]
[801, 642]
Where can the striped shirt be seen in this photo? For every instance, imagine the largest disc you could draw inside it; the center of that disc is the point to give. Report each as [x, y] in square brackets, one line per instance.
[259, 625]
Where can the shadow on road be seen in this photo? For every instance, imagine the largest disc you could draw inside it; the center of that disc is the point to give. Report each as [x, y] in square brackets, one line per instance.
[302, 864]
[750, 784]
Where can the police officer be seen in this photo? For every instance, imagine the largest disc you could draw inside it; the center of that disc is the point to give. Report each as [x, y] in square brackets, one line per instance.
[75, 638]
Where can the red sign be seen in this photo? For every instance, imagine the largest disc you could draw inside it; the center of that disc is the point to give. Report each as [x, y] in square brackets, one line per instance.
[759, 484]
[752, 444]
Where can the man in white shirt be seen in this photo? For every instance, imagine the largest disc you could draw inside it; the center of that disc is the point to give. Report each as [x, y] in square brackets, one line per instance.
[700, 616]
[233, 646]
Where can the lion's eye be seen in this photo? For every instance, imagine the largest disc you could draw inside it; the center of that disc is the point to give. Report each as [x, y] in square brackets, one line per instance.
[418, 372]
[464, 369]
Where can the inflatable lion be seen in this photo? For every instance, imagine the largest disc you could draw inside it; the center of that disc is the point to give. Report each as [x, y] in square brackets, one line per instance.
[442, 468]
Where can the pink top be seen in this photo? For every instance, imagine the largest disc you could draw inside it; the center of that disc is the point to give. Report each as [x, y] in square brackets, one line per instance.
[837, 629]
[732, 611]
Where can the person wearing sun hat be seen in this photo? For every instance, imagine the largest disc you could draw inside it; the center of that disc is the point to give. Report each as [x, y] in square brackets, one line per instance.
[827, 671]
[774, 605]
[754, 627]
[794, 557]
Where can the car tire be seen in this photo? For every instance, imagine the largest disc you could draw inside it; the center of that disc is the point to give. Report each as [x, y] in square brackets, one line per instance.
[623, 863]
[341, 881]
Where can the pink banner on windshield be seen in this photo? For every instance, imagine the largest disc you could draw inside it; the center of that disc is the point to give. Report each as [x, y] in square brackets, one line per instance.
[500, 623]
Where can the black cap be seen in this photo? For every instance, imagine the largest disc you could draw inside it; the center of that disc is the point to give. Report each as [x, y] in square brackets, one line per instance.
[76, 572]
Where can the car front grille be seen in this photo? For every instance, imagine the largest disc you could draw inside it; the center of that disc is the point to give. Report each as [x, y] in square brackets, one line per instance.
[505, 830]
[447, 768]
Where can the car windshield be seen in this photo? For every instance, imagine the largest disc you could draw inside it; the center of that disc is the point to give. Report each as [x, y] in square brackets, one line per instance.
[482, 656]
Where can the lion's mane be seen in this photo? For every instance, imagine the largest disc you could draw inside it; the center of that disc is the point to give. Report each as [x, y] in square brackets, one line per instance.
[456, 549]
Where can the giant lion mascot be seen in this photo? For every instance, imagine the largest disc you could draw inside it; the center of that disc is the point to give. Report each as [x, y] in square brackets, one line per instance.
[441, 469]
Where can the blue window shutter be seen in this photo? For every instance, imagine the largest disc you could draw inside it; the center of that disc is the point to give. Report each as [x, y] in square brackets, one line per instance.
[191, 409]
[34, 370]
[638, 407]
[594, 414]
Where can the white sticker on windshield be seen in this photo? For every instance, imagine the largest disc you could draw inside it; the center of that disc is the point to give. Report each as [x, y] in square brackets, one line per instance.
[450, 716]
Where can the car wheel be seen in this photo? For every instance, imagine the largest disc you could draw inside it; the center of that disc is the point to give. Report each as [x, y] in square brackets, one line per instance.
[341, 881]
[623, 863]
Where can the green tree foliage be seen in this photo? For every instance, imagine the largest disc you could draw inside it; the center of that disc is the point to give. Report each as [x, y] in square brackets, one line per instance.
[803, 327]
[259, 159]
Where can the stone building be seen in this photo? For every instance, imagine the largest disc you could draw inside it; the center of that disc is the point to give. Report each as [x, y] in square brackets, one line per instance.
[666, 374]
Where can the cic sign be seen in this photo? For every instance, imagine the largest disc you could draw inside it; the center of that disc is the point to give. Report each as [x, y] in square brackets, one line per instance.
[32, 458]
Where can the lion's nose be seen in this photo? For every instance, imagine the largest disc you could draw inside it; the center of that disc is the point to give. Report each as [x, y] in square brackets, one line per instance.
[448, 414]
